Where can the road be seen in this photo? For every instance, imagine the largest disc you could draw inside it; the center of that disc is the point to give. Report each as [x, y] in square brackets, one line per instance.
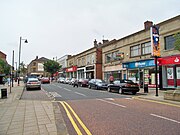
[99, 112]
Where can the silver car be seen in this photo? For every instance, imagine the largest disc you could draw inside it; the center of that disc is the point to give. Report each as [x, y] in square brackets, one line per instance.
[33, 83]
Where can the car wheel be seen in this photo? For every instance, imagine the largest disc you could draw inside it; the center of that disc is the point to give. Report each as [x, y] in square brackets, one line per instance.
[97, 88]
[109, 89]
[81, 85]
[89, 86]
[120, 91]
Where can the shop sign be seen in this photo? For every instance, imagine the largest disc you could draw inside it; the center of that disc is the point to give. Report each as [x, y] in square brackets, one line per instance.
[72, 69]
[139, 64]
[169, 60]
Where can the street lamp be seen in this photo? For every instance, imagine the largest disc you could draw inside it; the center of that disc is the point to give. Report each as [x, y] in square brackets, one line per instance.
[25, 41]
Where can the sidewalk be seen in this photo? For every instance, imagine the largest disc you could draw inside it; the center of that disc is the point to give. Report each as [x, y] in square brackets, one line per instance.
[28, 117]
[151, 95]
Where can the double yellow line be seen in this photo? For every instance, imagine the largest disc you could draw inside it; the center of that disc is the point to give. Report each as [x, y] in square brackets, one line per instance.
[66, 107]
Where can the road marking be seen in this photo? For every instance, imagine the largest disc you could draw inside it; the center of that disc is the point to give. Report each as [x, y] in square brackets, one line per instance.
[55, 94]
[112, 99]
[159, 102]
[80, 94]
[67, 89]
[71, 119]
[59, 86]
[129, 98]
[112, 103]
[165, 118]
[79, 120]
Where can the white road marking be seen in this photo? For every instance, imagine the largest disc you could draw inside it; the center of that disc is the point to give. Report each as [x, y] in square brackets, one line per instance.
[59, 86]
[67, 89]
[55, 94]
[80, 94]
[112, 103]
[112, 99]
[129, 98]
[165, 118]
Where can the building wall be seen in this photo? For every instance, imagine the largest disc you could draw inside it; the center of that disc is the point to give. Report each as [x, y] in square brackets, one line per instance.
[2, 56]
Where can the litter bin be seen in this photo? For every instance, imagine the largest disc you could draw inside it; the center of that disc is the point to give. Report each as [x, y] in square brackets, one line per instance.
[4, 93]
[145, 88]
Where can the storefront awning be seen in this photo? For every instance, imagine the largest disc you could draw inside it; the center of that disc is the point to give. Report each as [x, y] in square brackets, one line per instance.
[170, 60]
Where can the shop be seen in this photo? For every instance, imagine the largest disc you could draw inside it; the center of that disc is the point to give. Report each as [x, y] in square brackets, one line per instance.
[170, 71]
[116, 71]
[71, 72]
[90, 72]
[142, 72]
[81, 73]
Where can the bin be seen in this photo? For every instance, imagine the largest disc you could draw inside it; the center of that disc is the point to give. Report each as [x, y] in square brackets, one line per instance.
[145, 88]
[4, 93]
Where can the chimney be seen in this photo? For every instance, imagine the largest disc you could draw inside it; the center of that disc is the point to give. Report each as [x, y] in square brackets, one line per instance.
[36, 57]
[105, 41]
[95, 43]
[147, 25]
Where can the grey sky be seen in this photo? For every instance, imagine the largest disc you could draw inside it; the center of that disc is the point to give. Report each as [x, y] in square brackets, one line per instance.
[58, 27]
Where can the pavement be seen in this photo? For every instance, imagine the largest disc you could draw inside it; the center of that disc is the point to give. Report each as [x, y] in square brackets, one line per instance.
[29, 117]
[37, 117]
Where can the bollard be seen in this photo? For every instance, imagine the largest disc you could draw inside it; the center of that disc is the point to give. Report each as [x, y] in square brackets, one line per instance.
[145, 88]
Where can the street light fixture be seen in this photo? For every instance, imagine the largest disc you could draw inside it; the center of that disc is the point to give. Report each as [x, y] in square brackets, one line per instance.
[25, 41]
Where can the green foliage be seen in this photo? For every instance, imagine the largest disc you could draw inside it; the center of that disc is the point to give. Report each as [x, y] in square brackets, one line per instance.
[177, 41]
[23, 69]
[4, 67]
[51, 66]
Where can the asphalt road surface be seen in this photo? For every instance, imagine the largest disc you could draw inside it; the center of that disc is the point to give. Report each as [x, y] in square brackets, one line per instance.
[99, 112]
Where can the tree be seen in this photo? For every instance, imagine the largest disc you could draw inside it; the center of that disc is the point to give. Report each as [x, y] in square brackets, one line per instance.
[51, 66]
[177, 41]
[4, 67]
[23, 69]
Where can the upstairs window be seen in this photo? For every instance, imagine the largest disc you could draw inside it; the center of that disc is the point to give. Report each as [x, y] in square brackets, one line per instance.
[169, 42]
[135, 50]
[146, 48]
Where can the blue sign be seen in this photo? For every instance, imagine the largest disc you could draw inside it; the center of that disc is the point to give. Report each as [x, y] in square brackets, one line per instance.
[139, 64]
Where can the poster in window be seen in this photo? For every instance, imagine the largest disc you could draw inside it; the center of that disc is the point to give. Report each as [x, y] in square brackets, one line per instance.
[170, 74]
[178, 72]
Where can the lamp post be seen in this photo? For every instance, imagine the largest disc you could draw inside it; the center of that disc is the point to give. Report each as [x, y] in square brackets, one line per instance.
[25, 41]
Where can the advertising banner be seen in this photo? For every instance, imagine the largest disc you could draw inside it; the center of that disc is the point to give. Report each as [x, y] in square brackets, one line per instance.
[170, 74]
[155, 46]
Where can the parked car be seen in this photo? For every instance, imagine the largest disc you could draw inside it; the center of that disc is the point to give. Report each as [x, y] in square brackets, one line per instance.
[72, 81]
[67, 80]
[83, 82]
[61, 80]
[97, 84]
[122, 86]
[33, 83]
[45, 80]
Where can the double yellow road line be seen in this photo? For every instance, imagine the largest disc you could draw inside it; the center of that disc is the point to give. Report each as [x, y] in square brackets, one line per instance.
[68, 108]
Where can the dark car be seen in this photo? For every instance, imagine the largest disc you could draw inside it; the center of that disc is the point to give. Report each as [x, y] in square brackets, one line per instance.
[97, 84]
[83, 82]
[122, 86]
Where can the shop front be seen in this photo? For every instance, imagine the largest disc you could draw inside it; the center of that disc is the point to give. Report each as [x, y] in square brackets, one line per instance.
[116, 71]
[142, 72]
[81, 73]
[89, 71]
[71, 72]
[170, 71]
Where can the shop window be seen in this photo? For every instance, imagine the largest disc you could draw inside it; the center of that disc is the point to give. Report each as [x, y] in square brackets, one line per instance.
[169, 42]
[146, 48]
[135, 50]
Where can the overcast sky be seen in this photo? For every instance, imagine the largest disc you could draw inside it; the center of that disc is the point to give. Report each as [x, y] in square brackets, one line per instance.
[55, 28]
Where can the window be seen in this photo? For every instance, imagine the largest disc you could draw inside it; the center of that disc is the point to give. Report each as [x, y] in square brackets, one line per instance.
[88, 59]
[108, 57]
[146, 48]
[93, 59]
[169, 42]
[111, 57]
[135, 50]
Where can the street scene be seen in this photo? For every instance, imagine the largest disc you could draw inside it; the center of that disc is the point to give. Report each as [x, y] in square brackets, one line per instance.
[90, 67]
